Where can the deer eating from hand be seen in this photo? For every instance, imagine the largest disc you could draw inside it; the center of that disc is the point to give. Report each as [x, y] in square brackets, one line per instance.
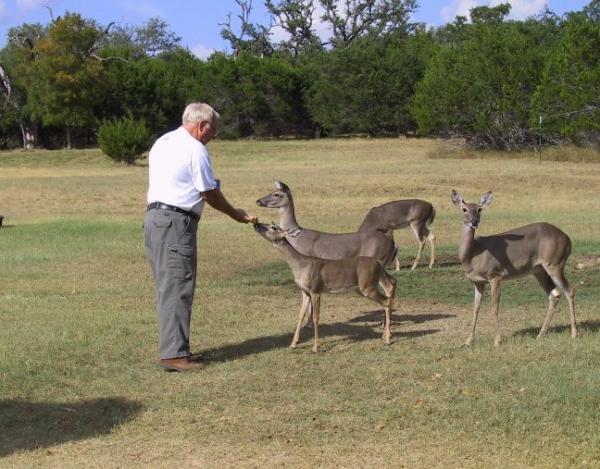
[315, 276]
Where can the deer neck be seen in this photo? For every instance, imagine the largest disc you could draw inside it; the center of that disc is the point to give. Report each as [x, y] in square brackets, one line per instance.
[467, 241]
[287, 217]
[291, 256]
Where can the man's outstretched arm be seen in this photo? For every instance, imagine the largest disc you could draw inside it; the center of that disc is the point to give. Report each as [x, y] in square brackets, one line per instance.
[217, 200]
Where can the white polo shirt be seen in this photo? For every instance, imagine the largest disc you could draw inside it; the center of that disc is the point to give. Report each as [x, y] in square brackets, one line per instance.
[179, 169]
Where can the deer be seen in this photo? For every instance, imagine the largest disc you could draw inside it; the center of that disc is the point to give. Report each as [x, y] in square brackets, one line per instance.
[418, 214]
[326, 245]
[539, 249]
[315, 276]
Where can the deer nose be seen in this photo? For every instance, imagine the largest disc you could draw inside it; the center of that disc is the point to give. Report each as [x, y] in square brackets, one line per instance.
[260, 203]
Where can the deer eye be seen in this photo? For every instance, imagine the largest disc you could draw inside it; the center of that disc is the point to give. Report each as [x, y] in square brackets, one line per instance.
[464, 210]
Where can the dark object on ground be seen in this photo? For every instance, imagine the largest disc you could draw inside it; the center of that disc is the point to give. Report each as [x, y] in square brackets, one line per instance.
[1, 218]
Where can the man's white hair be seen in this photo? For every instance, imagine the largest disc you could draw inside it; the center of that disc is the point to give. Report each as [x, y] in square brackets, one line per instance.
[200, 112]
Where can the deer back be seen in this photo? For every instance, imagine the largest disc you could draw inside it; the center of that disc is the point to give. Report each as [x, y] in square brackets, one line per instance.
[342, 245]
[518, 251]
[397, 214]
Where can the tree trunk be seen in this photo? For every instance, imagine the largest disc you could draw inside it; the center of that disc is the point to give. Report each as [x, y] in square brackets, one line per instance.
[29, 134]
[68, 135]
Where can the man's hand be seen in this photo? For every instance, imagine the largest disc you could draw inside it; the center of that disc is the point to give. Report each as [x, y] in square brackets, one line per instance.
[243, 217]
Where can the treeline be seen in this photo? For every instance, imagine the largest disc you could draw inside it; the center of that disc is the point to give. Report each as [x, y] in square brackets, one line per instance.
[498, 83]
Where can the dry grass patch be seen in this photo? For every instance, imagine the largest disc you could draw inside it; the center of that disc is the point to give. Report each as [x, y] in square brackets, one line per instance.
[78, 341]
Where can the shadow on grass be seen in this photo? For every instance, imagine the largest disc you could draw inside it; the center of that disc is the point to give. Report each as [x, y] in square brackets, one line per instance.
[351, 332]
[592, 326]
[450, 261]
[378, 315]
[29, 425]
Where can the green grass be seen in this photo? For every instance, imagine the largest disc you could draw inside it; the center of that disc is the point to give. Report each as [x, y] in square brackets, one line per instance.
[79, 382]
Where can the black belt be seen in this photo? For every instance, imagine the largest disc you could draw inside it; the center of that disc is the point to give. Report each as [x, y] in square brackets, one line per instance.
[172, 208]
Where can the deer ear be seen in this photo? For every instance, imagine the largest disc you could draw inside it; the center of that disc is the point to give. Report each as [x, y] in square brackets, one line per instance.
[456, 198]
[281, 186]
[486, 199]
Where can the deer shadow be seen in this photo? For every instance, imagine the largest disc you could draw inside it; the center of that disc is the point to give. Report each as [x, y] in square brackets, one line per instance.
[592, 326]
[351, 332]
[378, 315]
[423, 265]
[28, 425]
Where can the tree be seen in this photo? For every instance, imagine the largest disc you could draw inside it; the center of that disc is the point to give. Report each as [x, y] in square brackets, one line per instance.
[295, 17]
[568, 97]
[352, 19]
[16, 75]
[480, 81]
[348, 20]
[252, 38]
[67, 81]
[155, 38]
[367, 86]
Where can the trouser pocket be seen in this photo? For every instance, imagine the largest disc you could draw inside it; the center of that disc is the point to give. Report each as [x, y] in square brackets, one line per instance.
[181, 261]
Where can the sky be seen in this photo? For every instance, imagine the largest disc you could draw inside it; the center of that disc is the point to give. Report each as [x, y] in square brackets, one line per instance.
[197, 22]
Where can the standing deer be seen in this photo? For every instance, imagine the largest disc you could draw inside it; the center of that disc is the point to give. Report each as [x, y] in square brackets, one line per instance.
[315, 276]
[539, 249]
[418, 214]
[326, 245]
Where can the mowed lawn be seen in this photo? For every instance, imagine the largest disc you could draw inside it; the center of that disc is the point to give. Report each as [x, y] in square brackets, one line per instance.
[79, 381]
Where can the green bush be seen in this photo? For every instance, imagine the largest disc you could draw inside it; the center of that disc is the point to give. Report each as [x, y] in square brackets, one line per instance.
[124, 139]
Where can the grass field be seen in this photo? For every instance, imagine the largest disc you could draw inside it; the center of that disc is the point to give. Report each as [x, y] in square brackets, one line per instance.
[79, 380]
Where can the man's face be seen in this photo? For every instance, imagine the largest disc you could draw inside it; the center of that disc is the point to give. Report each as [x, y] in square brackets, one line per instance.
[206, 131]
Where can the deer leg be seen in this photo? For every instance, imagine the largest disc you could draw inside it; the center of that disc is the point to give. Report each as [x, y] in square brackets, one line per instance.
[431, 238]
[315, 300]
[418, 231]
[373, 294]
[495, 284]
[553, 295]
[303, 308]
[479, 289]
[308, 324]
[390, 233]
[558, 277]
[390, 292]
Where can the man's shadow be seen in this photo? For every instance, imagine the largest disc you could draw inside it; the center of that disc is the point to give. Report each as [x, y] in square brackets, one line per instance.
[350, 332]
[29, 425]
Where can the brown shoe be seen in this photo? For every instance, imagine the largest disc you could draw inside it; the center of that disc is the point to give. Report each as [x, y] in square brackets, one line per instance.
[196, 357]
[180, 364]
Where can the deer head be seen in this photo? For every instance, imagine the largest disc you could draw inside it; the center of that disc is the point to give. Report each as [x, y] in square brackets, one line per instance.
[280, 197]
[471, 212]
[270, 232]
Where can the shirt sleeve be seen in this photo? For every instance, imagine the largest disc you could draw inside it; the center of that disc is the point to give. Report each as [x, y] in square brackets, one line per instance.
[202, 173]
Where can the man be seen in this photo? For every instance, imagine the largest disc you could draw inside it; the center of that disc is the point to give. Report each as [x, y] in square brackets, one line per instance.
[181, 180]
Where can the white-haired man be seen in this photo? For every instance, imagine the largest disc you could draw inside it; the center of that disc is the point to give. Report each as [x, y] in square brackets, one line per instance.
[181, 180]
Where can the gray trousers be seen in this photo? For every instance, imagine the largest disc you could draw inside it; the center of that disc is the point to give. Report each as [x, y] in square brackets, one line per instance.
[170, 239]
